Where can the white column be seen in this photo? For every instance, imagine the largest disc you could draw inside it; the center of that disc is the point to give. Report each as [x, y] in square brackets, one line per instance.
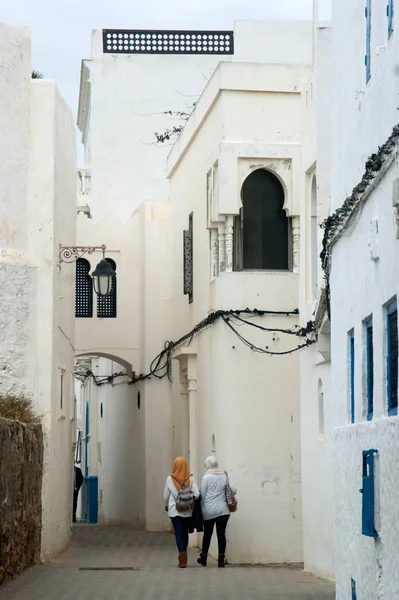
[229, 243]
[193, 429]
[295, 243]
[214, 254]
[222, 248]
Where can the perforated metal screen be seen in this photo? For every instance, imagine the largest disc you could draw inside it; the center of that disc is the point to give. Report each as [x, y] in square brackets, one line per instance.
[139, 41]
[83, 289]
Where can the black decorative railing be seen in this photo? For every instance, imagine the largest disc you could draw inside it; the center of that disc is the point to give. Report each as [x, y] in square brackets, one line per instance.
[139, 41]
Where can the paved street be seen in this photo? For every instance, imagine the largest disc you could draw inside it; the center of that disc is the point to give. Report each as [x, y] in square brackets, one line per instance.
[150, 573]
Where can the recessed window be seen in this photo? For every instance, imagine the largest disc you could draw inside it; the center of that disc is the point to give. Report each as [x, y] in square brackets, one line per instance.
[101, 410]
[62, 390]
[351, 374]
[392, 356]
[138, 400]
[261, 229]
[369, 370]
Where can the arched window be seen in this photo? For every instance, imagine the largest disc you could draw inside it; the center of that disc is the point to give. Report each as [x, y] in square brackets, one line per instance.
[261, 229]
[106, 307]
[83, 289]
[313, 239]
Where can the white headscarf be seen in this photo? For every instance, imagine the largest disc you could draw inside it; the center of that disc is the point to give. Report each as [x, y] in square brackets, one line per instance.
[212, 466]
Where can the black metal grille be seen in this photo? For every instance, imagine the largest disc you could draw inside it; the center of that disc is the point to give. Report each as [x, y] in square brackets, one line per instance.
[83, 289]
[141, 41]
[393, 358]
[188, 260]
[106, 307]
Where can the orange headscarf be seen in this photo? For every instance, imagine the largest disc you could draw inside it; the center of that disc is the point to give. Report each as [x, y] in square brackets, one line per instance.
[180, 474]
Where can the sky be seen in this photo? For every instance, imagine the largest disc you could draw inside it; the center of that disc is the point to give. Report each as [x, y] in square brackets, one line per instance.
[61, 29]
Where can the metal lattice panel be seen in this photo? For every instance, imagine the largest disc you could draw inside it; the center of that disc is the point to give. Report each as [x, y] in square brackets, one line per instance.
[139, 41]
[83, 289]
[393, 357]
[188, 260]
[106, 307]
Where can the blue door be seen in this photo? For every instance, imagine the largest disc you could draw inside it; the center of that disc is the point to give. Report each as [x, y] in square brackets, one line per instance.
[90, 484]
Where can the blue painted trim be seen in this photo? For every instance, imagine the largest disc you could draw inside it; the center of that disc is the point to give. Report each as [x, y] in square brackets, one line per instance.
[390, 11]
[87, 439]
[353, 588]
[367, 58]
[369, 367]
[368, 494]
[391, 307]
[352, 373]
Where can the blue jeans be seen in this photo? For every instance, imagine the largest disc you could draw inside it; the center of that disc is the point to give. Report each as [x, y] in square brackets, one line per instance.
[181, 526]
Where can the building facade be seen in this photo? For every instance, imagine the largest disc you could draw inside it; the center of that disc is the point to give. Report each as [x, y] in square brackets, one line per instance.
[38, 212]
[362, 252]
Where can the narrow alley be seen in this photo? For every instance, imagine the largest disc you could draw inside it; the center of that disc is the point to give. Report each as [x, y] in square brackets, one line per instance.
[119, 563]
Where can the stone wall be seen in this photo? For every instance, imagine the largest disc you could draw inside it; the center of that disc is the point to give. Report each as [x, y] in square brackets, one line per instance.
[21, 468]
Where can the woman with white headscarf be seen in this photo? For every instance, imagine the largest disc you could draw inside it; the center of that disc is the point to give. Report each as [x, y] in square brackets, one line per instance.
[215, 510]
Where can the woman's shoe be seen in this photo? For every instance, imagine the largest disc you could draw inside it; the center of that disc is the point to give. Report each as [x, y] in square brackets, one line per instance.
[201, 560]
[221, 561]
[182, 560]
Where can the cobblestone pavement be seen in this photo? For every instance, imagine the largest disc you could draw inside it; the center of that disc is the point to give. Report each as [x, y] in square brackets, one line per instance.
[155, 575]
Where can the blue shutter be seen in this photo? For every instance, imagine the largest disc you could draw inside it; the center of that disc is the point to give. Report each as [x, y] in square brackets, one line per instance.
[392, 357]
[352, 374]
[368, 524]
[367, 59]
[353, 585]
[369, 369]
[390, 17]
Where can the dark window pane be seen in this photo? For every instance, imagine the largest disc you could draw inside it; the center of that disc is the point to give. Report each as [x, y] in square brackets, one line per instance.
[264, 223]
[393, 359]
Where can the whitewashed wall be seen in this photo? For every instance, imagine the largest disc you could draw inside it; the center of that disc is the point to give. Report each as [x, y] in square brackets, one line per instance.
[120, 94]
[361, 287]
[38, 213]
[247, 409]
[18, 273]
[317, 410]
[52, 219]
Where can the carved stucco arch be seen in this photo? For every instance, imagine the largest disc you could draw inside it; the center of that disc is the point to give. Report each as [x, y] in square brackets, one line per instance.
[281, 168]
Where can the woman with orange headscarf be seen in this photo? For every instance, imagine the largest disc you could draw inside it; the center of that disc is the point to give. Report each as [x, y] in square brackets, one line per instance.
[179, 496]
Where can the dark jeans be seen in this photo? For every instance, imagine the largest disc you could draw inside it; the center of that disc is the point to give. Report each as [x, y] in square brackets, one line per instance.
[181, 526]
[221, 524]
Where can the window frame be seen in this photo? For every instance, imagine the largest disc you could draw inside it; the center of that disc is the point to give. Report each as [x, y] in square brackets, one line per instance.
[351, 377]
[369, 367]
[390, 308]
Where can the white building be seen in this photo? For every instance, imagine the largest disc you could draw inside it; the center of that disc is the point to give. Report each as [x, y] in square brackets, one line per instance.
[254, 125]
[37, 213]
[362, 259]
[317, 408]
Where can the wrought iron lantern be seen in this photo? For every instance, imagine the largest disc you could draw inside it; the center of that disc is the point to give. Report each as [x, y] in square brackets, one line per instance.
[103, 275]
